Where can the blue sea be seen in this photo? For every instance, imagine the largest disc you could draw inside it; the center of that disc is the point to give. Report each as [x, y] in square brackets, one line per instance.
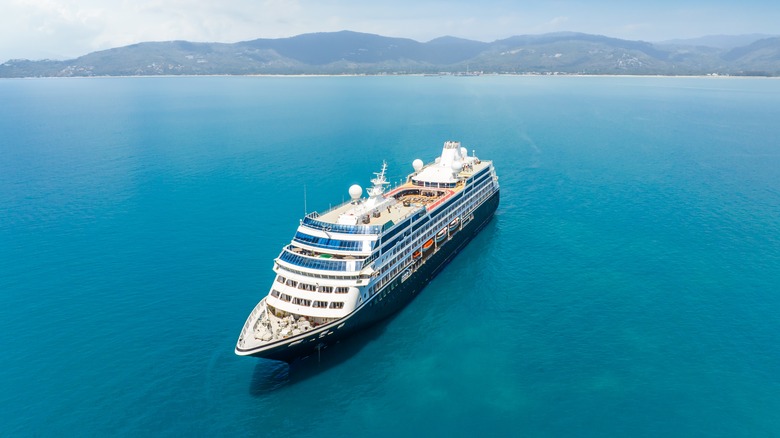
[629, 284]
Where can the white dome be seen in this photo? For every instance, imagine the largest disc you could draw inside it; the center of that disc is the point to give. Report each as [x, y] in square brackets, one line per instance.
[417, 164]
[456, 166]
[355, 191]
[464, 152]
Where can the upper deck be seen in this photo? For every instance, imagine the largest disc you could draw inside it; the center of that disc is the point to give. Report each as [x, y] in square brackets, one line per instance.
[428, 187]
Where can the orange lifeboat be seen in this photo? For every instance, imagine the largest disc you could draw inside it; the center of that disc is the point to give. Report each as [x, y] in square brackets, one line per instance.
[428, 245]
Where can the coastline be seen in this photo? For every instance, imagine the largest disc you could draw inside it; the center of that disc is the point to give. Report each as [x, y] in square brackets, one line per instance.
[351, 75]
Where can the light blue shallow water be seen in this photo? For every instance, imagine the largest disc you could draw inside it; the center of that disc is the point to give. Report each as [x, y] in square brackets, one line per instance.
[628, 285]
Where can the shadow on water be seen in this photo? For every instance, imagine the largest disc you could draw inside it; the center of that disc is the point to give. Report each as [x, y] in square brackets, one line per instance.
[271, 375]
[268, 376]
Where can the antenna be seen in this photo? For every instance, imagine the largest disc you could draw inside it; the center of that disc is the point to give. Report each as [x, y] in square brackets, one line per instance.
[380, 176]
[379, 183]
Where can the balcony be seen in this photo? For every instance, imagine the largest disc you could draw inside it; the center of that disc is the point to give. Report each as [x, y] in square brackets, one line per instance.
[320, 261]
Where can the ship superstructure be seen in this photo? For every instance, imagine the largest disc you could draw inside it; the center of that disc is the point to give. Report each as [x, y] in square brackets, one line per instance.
[361, 261]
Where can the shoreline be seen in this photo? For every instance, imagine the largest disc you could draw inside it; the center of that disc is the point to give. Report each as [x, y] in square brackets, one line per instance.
[432, 75]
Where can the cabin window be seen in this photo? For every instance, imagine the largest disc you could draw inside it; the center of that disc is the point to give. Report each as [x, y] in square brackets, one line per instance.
[292, 283]
[337, 305]
[302, 302]
[285, 297]
[320, 304]
[274, 293]
[342, 290]
[280, 279]
[326, 289]
[306, 286]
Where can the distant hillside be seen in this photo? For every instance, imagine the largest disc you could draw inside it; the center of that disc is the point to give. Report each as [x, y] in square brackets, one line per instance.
[718, 41]
[360, 53]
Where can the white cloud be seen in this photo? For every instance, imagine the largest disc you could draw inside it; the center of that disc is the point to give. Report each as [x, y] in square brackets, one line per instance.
[556, 24]
[68, 28]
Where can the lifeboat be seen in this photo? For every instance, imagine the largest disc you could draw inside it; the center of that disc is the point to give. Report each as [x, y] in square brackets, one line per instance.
[453, 226]
[441, 235]
[417, 254]
[427, 245]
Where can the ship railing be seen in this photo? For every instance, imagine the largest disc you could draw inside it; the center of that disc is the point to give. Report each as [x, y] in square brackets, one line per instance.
[325, 264]
[258, 311]
[309, 221]
[323, 253]
[354, 246]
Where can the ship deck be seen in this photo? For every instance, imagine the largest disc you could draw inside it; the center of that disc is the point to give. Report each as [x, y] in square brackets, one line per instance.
[409, 198]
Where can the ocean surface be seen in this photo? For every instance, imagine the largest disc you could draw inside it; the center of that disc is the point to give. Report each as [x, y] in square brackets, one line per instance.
[629, 284]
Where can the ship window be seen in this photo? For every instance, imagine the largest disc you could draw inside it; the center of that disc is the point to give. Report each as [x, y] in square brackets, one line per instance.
[302, 302]
[332, 277]
[285, 297]
[342, 290]
[280, 279]
[337, 305]
[370, 258]
[306, 286]
[323, 264]
[275, 293]
[394, 231]
[326, 289]
[349, 229]
[292, 283]
[320, 304]
[324, 242]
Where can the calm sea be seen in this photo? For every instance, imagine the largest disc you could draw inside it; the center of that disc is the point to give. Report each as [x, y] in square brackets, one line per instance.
[629, 284]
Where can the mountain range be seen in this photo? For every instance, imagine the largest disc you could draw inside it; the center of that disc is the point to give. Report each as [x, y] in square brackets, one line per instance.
[349, 52]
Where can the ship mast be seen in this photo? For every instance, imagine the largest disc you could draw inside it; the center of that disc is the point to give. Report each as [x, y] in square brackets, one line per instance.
[375, 192]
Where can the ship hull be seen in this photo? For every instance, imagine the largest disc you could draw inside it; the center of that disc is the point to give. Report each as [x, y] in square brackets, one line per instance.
[395, 295]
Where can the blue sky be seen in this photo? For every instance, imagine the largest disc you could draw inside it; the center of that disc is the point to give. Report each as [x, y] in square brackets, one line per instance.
[61, 29]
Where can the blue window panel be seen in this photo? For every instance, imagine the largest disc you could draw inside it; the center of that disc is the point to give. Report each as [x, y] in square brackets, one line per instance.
[339, 228]
[324, 242]
[316, 263]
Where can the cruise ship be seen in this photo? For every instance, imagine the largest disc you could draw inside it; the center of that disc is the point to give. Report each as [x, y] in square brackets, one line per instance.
[361, 261]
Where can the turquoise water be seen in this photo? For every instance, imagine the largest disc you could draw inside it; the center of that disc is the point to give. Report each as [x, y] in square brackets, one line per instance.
[628, 285]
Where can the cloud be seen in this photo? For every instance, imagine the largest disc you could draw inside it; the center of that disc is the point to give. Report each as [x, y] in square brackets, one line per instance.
[554, 25]
[68, 28]
[557, 22]
[43, 27]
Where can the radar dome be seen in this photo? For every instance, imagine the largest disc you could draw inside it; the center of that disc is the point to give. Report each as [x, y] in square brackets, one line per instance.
[417, 164]
[456, 166]
[464, 152]
[355, 191]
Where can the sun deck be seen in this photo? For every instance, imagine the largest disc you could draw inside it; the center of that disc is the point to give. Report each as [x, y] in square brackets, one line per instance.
[402, 201]
[429, 186]
[391, 209]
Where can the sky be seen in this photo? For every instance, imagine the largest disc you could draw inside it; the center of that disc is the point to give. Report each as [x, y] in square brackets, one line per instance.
[65, 29]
